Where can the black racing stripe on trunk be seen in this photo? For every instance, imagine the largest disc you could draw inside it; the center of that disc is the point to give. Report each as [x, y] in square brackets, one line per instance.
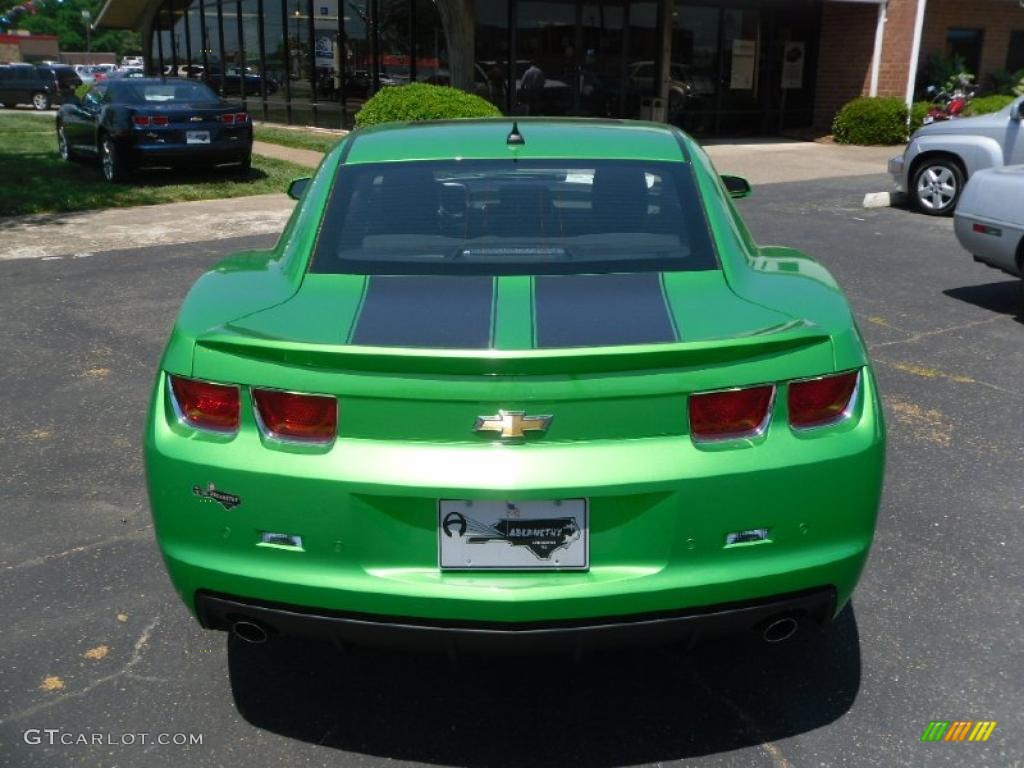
[601, 310]
[447, 312]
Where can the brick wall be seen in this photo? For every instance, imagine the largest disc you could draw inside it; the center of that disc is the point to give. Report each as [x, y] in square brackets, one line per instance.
[847, 43]
[997, 17]
[844, 60]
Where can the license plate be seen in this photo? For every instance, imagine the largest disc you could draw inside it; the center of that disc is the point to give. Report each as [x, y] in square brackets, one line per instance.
[197, 137]
[513, 535]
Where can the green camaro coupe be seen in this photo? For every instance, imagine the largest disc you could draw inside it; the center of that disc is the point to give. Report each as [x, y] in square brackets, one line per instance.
[515, 382]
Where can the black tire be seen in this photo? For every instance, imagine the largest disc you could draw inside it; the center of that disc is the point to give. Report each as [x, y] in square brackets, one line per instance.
[936, 186]
[112, 163]
[66, 152]
[40, 101]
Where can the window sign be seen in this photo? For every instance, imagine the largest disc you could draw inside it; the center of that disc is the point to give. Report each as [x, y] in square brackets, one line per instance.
[793, 66]
[744, 57]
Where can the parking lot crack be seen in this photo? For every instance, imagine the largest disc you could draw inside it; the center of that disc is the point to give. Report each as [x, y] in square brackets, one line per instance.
[918, 335]
[136, 657]
[138, 533]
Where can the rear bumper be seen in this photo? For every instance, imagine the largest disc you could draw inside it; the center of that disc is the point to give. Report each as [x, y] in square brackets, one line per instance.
[660, 511]
[214, 153]
[220, 612]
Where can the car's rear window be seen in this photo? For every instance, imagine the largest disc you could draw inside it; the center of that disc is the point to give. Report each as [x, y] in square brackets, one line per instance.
[162, 93]
[506, 217]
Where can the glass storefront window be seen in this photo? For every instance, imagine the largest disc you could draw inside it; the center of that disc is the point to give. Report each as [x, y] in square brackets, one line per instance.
[725, 68]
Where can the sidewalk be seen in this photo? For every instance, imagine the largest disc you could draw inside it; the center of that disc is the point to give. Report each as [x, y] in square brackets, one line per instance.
[61, 234]
[766, 161]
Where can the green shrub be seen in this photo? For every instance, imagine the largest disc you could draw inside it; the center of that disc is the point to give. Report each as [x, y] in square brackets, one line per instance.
[986, 105]
[1005, 82]
[867, 120]
[421, 101]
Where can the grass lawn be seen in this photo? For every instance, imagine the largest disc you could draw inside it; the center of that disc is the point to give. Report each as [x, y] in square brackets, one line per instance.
[296, 138]
[34, 179]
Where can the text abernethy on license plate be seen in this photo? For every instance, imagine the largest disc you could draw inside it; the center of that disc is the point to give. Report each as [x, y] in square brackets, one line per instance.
[514, 535]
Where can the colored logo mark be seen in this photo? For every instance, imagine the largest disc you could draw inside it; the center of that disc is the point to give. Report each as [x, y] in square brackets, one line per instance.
[958, 730]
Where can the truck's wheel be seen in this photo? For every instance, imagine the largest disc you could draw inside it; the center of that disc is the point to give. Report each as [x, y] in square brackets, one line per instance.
[936, 186]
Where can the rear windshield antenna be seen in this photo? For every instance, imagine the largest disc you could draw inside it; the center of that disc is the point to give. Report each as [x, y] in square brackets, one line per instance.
[515, 138]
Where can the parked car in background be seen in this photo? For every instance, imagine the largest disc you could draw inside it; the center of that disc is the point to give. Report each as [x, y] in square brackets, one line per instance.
[989, 220]
[941, 157]
[124, 72]
[132, 61]
[232, 81]
[42, 87]
[134, 122]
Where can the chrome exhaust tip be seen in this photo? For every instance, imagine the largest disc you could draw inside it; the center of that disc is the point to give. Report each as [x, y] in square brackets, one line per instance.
[249, 631]
[779, 630]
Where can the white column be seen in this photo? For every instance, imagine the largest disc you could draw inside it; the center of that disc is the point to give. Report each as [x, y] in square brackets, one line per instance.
[876, 56]
[915, 50]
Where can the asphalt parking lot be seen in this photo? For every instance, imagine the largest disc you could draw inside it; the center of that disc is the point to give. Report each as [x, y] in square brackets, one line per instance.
[94, 640]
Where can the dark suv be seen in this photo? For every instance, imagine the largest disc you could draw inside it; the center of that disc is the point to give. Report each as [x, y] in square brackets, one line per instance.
[42, 87]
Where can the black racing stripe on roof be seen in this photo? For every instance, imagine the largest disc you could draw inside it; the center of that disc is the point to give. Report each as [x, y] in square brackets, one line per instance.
[601, 310]
[431, 311]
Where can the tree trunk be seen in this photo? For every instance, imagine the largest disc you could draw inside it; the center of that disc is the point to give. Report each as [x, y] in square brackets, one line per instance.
[459, 21]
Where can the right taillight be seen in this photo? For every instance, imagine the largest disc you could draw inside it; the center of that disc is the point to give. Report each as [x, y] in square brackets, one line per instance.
[205, 405]
[821, 401]
[296, 416]
[730, 413]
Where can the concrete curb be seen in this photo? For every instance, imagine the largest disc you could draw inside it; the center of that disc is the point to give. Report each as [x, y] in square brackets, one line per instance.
[884, 199]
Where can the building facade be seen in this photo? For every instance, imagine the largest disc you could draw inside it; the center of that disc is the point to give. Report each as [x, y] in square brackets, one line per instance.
[715, 67]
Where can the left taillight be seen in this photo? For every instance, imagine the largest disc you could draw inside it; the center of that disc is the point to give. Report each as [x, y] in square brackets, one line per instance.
[205, 405]
[732, 413]
[295, 416]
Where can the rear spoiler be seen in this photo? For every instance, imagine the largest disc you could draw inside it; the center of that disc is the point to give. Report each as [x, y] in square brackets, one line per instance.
[342, 357]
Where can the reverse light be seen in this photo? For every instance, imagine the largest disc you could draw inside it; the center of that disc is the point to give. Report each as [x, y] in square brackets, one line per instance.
[730, 413]
[205, 405]
[297, 417]
[821, 401]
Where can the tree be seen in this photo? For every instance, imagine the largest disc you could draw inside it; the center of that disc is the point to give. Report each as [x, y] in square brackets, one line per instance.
[64, 19]
[458, 18]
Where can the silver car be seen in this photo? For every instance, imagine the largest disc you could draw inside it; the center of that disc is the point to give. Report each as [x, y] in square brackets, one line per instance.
[942, 156]
[989, 220]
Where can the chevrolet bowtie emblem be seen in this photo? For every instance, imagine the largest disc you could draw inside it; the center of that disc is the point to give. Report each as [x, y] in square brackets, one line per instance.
[512, 424]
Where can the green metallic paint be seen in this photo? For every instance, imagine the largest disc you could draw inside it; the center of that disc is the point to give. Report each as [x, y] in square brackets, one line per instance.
[660, 503]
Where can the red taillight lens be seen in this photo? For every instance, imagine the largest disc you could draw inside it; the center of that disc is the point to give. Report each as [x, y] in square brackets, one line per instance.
[734, 413]
[205, 405]
[140, 120]
[817, 402]
[241, 117]
[229, 119]
[312, 418]
[161, 120]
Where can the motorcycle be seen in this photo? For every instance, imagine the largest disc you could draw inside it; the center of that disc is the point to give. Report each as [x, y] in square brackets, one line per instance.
[949, 103]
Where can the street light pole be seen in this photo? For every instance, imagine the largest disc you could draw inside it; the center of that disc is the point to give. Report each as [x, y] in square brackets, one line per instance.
[86, 19]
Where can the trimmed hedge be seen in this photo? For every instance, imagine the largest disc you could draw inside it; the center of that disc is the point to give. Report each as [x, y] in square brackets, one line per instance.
[986, 105]
[868, 120]
[422, 101]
